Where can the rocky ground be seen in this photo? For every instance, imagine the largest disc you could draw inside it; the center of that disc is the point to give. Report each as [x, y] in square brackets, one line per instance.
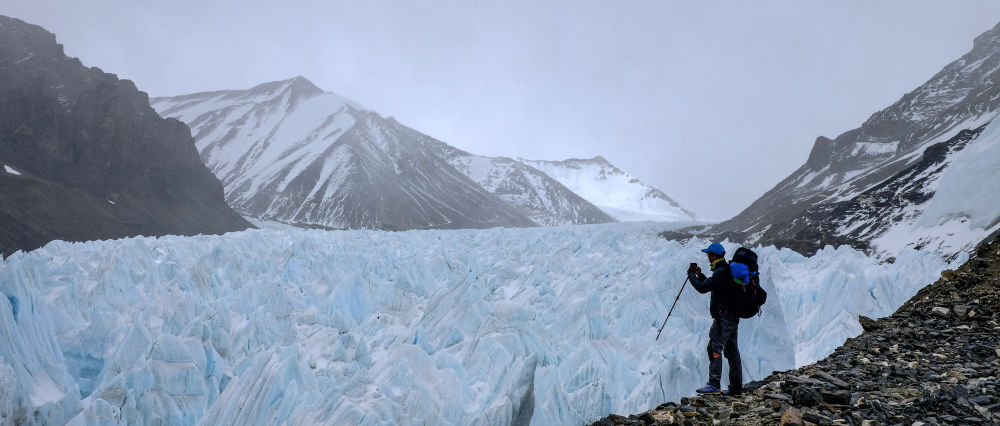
[935, 361]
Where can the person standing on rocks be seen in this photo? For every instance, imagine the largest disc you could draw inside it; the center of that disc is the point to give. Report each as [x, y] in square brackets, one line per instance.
[722, 337]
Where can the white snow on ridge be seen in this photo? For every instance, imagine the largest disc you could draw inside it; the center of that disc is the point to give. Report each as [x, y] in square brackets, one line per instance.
[487, 172]
[11, 170]
[845, 185]
[543, 199]
[419, 327]
[874, 148]
[615, 192]
[278, 145]
[965, 207]
[288, 151]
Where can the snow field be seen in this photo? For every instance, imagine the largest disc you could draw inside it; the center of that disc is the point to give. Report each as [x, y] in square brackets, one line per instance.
[963, 210]
[968, 187]
[613, 191]
[500, 326]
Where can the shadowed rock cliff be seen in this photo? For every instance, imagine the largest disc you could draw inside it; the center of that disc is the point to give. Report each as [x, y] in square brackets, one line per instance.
[83, 156]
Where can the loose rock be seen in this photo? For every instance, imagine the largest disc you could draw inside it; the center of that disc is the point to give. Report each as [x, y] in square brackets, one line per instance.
[792, 416]
[941, 311]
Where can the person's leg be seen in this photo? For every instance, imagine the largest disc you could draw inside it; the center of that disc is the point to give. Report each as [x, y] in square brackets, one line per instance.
[716, 342]
[731, 350]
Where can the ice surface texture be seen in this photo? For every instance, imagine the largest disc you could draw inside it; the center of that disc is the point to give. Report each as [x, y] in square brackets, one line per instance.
[500, 326]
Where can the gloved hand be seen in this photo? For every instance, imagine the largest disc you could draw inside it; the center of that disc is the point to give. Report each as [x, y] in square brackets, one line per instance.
[694, 269]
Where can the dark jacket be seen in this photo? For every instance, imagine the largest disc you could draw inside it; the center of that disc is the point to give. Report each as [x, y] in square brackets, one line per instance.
[720, 282]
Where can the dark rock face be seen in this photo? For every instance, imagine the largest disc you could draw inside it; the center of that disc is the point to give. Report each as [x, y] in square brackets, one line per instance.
[936, 360]
[83, 156]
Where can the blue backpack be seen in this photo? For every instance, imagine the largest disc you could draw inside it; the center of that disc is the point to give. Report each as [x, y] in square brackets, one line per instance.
[747, 296]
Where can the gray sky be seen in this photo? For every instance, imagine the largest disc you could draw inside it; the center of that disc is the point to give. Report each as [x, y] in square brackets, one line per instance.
[712, 102]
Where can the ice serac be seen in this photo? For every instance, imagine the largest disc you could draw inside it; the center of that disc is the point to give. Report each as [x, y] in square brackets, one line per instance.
[499, 326]
[83, 156]
[875, 180]
[615, 192]
[290, 152]
[542, 198]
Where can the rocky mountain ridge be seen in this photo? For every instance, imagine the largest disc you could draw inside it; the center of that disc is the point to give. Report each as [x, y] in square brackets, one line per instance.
[546, 201]
[865, 221]
[290, 152]
[936, 360]
[85, 157]
[831, 199]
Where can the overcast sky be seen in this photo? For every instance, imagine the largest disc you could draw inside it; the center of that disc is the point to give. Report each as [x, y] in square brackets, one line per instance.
[712, 102]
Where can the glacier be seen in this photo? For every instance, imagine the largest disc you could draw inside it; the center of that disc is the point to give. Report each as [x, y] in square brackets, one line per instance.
[279, 325]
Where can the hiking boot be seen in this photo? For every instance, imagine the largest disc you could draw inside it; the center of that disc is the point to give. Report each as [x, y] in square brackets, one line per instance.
[729, 392]
[709, 388]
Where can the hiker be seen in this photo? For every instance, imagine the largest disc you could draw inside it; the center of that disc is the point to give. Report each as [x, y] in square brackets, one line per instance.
[722, 337]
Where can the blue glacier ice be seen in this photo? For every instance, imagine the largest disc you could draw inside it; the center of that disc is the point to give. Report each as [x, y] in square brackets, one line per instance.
[504, 326]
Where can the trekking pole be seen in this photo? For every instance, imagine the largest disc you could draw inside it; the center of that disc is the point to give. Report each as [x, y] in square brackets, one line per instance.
[672, 308]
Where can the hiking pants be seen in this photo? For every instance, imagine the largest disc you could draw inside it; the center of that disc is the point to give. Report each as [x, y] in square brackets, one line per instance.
[722, 341]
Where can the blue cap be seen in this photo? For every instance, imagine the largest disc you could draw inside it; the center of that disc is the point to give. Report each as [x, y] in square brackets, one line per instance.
[715, 248]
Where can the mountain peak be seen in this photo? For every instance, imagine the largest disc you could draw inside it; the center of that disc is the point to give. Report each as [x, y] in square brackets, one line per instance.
[299, 86]
[302, 83]
[318, 159]
[988, 40]
[597, 159]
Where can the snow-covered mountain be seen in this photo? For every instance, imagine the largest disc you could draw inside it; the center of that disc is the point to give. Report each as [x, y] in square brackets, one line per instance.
[538, 326]
[946, 202]
[615, 192]
[291, 152]
[542, 198]
[887, 183]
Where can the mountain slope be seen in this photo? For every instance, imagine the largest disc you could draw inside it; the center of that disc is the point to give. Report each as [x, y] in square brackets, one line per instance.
[543, 199]
[864, 184]
[612, 190]
[83, 156]
[290, 152]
